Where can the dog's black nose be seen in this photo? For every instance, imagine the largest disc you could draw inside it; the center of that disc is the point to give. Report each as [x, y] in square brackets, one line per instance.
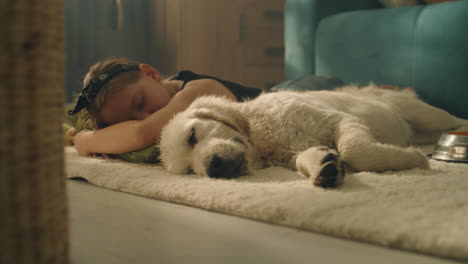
[218, 167]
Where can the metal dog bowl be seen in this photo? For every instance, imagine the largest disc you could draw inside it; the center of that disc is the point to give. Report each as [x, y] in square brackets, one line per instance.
[452, 146]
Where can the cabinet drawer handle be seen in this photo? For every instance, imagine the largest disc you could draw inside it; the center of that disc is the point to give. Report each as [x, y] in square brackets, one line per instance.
[118, 3]
[273, 15]
[241, 26]
[274, 51]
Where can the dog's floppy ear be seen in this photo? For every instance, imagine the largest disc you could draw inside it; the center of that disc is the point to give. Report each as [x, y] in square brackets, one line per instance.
[226, 116]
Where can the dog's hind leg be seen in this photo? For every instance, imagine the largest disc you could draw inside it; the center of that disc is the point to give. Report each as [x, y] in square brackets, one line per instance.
[424, 118]
[359, 149]
[322, 165]
[428, 122]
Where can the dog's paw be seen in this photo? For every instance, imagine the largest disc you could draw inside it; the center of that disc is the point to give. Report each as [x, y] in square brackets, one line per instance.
[421, 160]
[331, 172]
[322, 165]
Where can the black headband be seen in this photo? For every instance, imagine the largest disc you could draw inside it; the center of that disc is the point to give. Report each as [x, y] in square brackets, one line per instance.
[88, 93]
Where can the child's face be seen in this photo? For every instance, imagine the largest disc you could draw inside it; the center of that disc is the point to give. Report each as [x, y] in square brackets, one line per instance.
[134, 102]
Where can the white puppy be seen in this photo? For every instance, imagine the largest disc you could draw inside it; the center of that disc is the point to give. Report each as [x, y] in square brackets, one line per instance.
[313, 132]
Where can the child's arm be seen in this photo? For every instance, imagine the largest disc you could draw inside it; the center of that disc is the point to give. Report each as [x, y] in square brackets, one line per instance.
[136, 134]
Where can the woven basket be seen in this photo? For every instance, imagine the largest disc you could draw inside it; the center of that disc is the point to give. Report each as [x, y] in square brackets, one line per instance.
[33, 212]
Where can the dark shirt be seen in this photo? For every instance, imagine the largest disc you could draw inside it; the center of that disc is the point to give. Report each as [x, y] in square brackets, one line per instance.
[241, 92]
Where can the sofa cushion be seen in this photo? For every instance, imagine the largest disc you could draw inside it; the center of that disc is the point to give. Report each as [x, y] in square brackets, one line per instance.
[424, 47]
[301, 19]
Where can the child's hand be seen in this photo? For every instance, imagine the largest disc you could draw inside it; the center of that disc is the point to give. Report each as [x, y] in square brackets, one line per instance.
[81, 142]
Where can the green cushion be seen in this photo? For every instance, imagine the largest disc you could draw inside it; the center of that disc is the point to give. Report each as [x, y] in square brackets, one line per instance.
[149, 154]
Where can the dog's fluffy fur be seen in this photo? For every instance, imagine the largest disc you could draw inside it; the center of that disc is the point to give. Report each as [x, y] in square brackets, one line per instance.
[369, 129]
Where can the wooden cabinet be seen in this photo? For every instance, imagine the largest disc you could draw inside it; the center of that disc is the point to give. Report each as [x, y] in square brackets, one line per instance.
[238, 40]
[98, 29]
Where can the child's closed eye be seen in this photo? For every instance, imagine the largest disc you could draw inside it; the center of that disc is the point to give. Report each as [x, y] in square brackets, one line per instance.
[141, 103]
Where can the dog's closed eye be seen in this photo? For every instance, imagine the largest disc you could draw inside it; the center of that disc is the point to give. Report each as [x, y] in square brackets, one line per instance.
[239, 140]
[192, 139]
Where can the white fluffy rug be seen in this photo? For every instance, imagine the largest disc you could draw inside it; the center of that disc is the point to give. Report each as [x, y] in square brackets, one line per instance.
[418, 210]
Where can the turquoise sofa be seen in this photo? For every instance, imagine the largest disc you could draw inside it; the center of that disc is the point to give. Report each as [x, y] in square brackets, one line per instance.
[359, 41]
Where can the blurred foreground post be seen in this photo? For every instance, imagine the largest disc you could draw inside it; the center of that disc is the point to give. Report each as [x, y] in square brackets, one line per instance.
[33, 205]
